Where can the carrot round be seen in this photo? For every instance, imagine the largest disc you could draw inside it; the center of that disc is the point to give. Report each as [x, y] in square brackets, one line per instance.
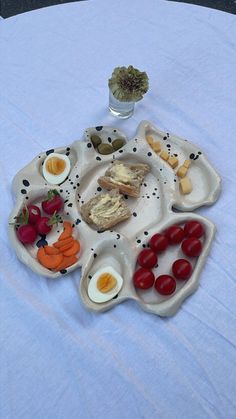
[67, 231]
[73, 250]
[50, 250]
[64, 242]
[66, 262]
[49, 261]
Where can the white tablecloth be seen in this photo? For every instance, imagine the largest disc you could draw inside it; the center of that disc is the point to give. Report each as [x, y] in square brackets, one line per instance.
[59, 360]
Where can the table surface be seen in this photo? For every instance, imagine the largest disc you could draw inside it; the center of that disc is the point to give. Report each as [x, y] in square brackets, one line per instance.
[59, 360]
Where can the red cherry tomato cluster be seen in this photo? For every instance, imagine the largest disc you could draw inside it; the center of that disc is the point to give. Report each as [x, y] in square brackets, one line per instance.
[32, 223]
[191, 246]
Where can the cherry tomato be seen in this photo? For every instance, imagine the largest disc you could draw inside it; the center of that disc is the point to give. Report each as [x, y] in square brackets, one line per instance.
[182, 269]
[143, 278]
[175, 234]
[158, 243]
[54, 203]
[27, 234]
[43, 226]
[147, 258]
[193, 229]
[165, 284]
[192, 247]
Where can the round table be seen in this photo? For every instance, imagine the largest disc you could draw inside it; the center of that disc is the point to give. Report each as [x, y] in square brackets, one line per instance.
[59, 360]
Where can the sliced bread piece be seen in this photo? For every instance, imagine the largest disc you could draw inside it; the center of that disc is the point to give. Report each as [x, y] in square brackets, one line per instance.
[125, 177]
[106, 210]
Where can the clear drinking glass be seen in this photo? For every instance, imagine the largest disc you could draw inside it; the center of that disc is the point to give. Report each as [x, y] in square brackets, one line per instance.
[120, 109]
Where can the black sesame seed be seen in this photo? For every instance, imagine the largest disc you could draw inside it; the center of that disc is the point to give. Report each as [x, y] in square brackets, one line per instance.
[199, 153]
[134, 149]
[145, 185]
[67, 213]
[114, 246]
[77, 221]
[138, 241]
[77, 176]
[164, 183]
[155, 189]
[148, 196]
[99, 189]
[92, 249]
[23, 191]
[114, 130]
[176, 155]
[109, 139]
[98, 158]
[50, 151]
[153, 193]
[67, 153]
[90, 276]
[168, 145]
[164, 138]
[149, 154]
[144, 245]
[26, 197]
[61, 190]
[126, 196]
[192, 156]
[89, 145]
[134, 214]
[71, 183]
[65, 201]
[160, 169]
[95, 255]
[99, 128]
[121, 151]
[82, 202]
[196, 157]
[146, 233]
[74, 187]
[68, 149]
[70, 205]
[174, 180]
[25, 182]
[118, 236]
[63, 271]
[158, 197]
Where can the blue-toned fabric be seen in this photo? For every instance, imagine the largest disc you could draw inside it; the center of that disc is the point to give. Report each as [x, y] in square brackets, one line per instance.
[59, 360]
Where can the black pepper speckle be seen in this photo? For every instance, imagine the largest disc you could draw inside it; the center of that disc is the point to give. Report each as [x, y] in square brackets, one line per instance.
[164, 138]
[74, 187]
[70, 205]
[134, 214]
[77, 221]
[26, 197]
[68, 149]
[95, 255]
[168, 145]
[77, 176]
[89, 145]
[114, 246]
[67, 153]
[192, 156]
[146, 233]
[144, 245]
[109, 139]
[61, 190]
[98, 158]
[99, 189]
[149, 154]
[78, 184]
[138, 241]
[23, 191]
[134, 149]
[121, 151]
[199, 153]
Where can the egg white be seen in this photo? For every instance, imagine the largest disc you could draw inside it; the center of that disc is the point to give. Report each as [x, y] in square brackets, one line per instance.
[56, 179]
[99, 297]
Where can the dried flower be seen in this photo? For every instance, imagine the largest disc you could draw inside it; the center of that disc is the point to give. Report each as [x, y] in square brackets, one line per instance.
[128, 84]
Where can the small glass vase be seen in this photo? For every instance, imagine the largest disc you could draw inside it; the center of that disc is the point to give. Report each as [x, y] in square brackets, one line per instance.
[120, 109]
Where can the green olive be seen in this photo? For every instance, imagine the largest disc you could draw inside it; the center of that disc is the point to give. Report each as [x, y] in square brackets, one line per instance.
[118, 143]
[105, 149]
[96, 140]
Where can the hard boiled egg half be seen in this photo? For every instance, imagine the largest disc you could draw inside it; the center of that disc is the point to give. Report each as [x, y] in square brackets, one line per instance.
[104, 285]
[56, 168]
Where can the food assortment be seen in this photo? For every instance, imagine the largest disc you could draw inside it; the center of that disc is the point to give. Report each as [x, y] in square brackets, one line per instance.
[124, 190]
[30, 224]
[165, 284]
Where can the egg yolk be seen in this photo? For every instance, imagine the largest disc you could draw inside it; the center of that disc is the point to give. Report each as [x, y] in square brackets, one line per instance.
[106, 282]
[55, 166]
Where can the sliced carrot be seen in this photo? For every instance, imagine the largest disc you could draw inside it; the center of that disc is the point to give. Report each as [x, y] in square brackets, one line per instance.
[66, 262]
[49, 261]
[64, 242]
[66, 247]
[50, 250]
[73, 250]
[67, 231]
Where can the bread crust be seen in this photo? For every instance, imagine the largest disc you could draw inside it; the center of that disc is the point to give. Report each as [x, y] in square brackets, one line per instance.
[123, 214]
[132, 188]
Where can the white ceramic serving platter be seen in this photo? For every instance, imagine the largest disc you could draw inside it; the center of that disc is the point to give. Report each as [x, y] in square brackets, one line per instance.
[152, 212]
